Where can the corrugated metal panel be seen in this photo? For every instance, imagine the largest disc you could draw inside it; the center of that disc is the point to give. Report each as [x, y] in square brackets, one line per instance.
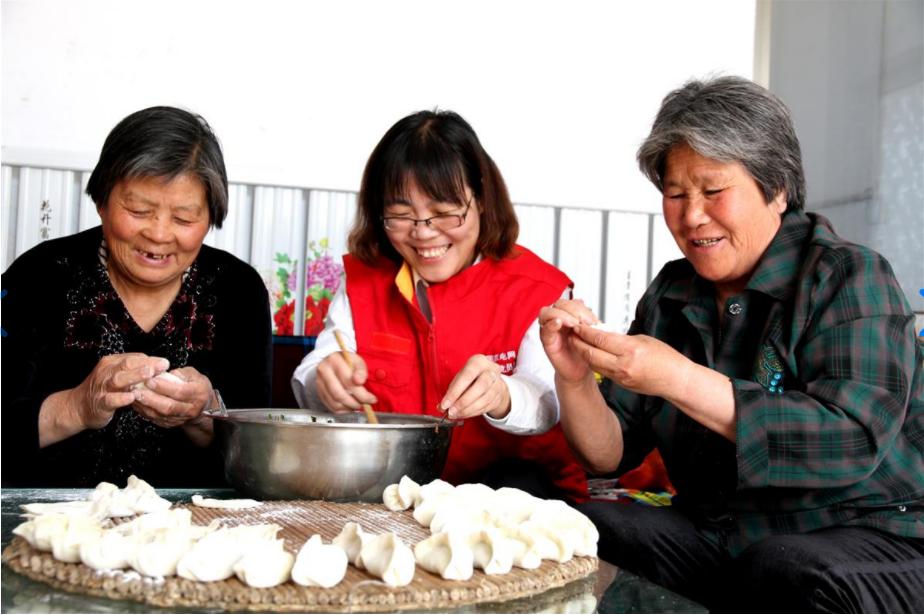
[663, 247]
[88, 217]
[537, 230]
[8, 210]
[330, 216]
[280, 230]
[47, 206]
[580, 253]
[234, 236]
[277, 246]
[626, 264]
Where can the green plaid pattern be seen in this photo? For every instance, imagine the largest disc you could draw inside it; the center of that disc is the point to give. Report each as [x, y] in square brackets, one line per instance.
[828, 378]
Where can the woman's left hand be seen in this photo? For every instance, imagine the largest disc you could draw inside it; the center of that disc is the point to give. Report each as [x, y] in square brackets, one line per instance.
[170, 404]
[477, 389]
[639, 363]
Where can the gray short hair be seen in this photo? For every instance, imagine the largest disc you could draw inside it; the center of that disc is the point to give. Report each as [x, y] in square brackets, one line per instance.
[729, 119]
[163, 142]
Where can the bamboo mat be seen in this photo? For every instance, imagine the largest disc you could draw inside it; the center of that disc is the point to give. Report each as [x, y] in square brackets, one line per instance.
[359, 591]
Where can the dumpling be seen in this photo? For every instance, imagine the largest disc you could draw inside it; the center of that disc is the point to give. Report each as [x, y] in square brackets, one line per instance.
[107, 551]
[102, 490]
[137, 497]
[318, 564]
[26, 530]
[44, 508]
[165, 376]
[159, 551]
[492, 552]
[265, 564]
[523, 547]
[214, 556]
[239, 504]
[351, 539]
[513, 505]
[434, 487]
[107, 500]
[549, 543]
[578, 530]
[476, 493]
[65, 546]
[446, 554]
[40, 531]
[142, 496]
[386, 557]
[165, 519]
[427, 508]
[402, 495]
[455, 517]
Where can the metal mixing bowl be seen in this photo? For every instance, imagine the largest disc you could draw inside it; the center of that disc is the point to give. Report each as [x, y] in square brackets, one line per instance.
[276, 454]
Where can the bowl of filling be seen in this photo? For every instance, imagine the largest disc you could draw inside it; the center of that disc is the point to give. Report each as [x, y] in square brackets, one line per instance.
[280, 454]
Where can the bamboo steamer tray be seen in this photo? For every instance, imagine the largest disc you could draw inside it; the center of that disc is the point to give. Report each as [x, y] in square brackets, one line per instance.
[359, 591]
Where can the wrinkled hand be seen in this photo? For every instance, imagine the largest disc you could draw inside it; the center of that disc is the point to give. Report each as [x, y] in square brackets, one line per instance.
[170, 404]
[555, 330]
[109, 386]
[639, 363]
[477, 389]
[340, 387]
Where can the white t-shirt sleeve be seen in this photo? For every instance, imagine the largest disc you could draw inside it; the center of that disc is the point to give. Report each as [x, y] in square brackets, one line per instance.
[339, 316]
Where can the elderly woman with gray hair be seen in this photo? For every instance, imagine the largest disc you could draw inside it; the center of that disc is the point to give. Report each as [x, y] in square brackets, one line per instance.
[118, 336]
[775, 368]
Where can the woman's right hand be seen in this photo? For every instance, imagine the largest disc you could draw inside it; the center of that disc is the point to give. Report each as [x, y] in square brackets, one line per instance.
[555, 323]
[340, 386]
[110, 386]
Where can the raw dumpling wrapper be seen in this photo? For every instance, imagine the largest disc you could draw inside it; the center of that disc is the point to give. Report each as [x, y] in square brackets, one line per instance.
[402, 495]
[137, 497]
[108, 551]
[428, 507]
[65, 546]
[265, 564]
[434, 487]
[164, 519]
[165, 376]
[386, 557]
[351, 539]
[159, 551]
[548, 543]
[240, 504]
[578, 530]
[40, 531]
[476, 493]
[318, 564]
[214, 556]
[450, 515]
[492, 552]
[523, 547]
[446, 554]
[513, 506]
[44, 508]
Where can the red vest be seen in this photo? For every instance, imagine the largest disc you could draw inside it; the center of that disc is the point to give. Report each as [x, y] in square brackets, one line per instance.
[485, 309]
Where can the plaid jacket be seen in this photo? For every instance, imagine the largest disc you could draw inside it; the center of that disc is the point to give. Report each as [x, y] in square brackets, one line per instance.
[829, 392]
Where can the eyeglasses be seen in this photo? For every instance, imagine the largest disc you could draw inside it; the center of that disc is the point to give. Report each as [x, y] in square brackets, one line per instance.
[440, 222]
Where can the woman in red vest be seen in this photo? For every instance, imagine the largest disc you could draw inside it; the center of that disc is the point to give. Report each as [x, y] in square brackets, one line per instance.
[440, 306]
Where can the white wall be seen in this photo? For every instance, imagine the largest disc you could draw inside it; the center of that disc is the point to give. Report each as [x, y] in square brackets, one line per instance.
[560, 93]
[853, 75]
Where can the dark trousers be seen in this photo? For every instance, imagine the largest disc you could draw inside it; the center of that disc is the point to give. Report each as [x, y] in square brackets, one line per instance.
[836, 570]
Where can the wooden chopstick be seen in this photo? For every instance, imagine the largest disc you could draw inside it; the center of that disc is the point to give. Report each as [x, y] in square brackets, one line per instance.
[370, 415]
